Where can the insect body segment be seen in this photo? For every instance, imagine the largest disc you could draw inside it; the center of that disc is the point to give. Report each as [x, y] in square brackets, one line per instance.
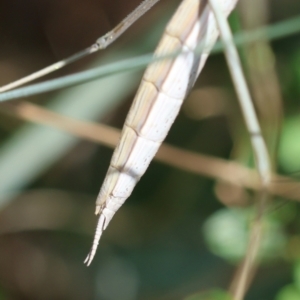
[164, 86]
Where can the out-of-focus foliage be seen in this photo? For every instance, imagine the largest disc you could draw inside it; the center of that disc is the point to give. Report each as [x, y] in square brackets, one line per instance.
[227, 234]
[290, 146]
[216, 294]
[291, 291]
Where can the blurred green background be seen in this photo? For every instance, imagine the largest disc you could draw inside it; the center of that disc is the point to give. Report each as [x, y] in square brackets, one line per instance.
[180, 235]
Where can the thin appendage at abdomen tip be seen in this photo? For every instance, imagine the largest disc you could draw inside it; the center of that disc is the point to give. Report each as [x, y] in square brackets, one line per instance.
[99, 230]
[97, 209]
[88, 259]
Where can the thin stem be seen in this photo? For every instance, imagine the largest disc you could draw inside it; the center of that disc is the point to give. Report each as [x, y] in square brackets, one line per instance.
[45, 71]
[204, 165]
[258, 144]
[101, 43]
[74, 79]
[112, 35]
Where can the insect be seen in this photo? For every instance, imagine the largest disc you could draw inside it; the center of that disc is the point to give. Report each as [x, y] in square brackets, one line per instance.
[163, 88]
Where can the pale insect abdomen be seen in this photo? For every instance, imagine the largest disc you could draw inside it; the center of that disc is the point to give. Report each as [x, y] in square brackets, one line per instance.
[164, 86]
